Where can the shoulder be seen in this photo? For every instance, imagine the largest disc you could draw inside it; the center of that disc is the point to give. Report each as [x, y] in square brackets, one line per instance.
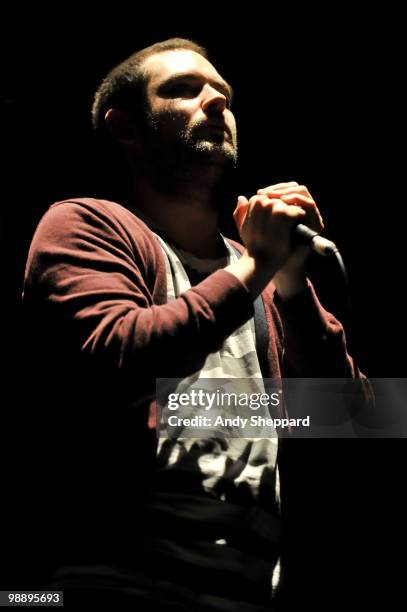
[88, 209]
[85, 224]
[98, 217]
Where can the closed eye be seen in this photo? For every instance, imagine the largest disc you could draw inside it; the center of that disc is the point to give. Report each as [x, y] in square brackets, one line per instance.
[183, 90]
[189, 90]
[179, 87]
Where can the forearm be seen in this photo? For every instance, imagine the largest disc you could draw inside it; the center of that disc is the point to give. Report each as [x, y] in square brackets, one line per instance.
[173, 339]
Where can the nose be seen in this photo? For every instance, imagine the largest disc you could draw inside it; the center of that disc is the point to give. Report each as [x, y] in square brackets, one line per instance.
[213, 100]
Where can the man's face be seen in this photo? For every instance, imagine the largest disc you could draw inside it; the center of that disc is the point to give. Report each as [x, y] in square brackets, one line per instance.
[189, 107]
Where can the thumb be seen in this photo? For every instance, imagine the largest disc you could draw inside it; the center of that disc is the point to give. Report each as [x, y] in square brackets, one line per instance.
[241, 211]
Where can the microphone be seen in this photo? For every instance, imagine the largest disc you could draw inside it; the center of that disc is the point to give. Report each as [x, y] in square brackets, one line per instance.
[302, 234]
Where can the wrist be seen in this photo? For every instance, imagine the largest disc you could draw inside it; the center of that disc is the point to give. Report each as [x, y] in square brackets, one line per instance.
[289, 284]
[254, 273]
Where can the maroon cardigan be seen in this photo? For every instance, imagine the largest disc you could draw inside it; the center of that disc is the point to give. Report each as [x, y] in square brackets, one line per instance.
[98, 334]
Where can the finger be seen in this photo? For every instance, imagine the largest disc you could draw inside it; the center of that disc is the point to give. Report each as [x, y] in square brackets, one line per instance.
[295, 212]
[242, 200]
[240, 212]
[261, 205]
[277, 186]
[258, 201]
[260, 210]
[272, 190]
[299, 198]
[309, 205]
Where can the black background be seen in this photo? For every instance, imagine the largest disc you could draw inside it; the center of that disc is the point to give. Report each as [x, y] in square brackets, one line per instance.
[317, 100]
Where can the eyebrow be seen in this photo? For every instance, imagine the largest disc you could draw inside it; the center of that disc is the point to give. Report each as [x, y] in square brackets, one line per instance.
[172, 80]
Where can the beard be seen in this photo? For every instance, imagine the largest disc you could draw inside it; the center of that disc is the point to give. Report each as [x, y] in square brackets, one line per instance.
[176, 151]
[208, 146]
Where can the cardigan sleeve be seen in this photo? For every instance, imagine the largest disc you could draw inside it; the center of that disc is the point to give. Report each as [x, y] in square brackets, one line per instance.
[314, 340]
[86, 277]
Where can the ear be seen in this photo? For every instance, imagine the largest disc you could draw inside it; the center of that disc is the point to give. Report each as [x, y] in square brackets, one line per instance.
[120, 126]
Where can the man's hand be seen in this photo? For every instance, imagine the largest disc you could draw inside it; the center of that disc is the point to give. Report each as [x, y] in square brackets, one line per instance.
[265, 224]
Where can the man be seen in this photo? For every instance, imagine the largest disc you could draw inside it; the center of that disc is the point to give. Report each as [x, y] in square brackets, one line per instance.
[118, 296]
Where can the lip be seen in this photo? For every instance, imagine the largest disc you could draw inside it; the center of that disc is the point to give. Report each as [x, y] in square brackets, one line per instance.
[215, 127]
[212, 126]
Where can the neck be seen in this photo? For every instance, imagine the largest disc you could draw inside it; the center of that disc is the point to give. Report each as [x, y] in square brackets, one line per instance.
[185, 209]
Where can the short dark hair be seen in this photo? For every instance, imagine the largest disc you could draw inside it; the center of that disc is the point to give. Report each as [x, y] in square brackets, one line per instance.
[125, 85]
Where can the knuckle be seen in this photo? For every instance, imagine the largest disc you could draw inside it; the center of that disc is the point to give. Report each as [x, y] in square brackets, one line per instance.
[279, 208]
